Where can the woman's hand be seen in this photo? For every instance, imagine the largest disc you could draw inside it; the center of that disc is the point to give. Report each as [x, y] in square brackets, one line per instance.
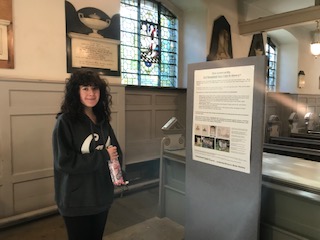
[113, 153]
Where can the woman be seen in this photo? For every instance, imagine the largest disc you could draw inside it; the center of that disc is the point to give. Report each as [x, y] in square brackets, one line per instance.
[83, 142]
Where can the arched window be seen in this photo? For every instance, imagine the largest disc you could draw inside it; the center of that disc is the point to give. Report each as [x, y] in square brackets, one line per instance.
[271, 52]
[149, 45]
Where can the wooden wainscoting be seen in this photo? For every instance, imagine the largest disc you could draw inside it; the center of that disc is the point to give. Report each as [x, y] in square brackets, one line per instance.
[27, 118]
[283, 104]
[147, 110]
[28, 111]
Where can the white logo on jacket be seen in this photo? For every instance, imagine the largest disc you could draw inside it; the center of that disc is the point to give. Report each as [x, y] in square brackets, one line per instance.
[85, 148]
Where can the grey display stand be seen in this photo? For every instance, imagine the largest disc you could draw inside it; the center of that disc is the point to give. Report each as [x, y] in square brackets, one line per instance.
[172, 196]
[224, 204]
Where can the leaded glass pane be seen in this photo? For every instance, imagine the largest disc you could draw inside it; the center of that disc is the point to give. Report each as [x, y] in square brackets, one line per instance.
[143, 51]
[148, 80]
[149, 43]
[271, 82]
[149, 68]
[271, 74]
[130, 2]
[164, 58]
[272, 57]
[130, 79]
[129, 66]
[167, 21]
[149, 11]
[271, 51]
[168, 58]
[168, 81]
[168, 46]
[168, 70]
[168, 33]
[127, 25]
[272, 65]
[129, 39]
[129, 11]
[129, 52]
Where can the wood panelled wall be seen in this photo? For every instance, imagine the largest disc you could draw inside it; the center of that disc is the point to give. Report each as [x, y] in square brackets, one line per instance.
[147, 110]
[27, 118]
[283, 104]
[6, 14]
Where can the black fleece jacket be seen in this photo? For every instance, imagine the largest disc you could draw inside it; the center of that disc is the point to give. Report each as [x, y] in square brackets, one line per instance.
[82, 179]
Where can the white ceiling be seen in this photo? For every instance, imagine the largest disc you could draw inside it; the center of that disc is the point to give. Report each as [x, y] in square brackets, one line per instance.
[266, 7]
[278, 6]
[271, 7]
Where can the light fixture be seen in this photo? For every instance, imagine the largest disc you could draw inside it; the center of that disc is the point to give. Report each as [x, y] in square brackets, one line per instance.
[315, 45]
[301, 79]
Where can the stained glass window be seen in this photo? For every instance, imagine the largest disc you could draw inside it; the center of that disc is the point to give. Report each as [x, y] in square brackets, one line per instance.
[148, 44]
[271, 52]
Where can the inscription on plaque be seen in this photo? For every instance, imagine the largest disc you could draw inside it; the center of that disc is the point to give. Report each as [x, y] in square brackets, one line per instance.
[95, 53]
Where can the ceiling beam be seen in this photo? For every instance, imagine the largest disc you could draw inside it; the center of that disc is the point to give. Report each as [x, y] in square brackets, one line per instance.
[280, 20]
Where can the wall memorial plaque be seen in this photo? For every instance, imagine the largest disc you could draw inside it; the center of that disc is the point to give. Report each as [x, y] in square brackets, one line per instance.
[93, 36]
[94, 52]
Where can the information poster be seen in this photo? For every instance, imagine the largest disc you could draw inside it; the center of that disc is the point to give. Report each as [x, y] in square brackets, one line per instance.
[222, 117]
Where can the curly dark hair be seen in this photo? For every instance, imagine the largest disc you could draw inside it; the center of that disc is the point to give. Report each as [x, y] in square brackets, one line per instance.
[72, 104]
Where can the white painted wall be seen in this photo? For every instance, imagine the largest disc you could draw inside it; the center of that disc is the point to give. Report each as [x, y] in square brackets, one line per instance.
[309, 64]
[294, 50]
[287, 73]
[40, 41]
[294, 55]
[229, 9]
[40, 46]
[193, 41]
[196, 31]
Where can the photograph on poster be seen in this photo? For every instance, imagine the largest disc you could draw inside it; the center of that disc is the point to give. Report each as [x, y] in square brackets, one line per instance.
[222, 145]
[223, 132]
[212, 131]
[198, 129]
[222, 117]
[205, 130]
[208, 142]
[198, 140]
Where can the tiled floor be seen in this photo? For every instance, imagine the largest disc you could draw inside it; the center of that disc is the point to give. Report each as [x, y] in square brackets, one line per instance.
[151, 229]
[132, 217]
